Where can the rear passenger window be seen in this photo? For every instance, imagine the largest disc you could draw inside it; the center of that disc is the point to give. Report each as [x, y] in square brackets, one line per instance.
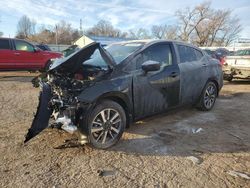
[4, 44]
[189, 54]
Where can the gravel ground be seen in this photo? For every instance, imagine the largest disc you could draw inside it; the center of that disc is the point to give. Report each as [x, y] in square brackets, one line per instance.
[182, 148]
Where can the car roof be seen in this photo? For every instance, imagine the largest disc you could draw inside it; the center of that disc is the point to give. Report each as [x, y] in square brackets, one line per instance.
[14, 39]
[5, 38]
[148, 42]
[145, 41]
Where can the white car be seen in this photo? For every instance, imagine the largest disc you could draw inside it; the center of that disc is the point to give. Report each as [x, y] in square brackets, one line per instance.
[237, 66]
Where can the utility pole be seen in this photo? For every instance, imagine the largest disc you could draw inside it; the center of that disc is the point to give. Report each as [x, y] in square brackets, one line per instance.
[81, 32]
[56, 39]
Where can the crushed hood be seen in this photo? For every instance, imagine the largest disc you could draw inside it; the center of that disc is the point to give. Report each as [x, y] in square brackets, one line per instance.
[73, 61]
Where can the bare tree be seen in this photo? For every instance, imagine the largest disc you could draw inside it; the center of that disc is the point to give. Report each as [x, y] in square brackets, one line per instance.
[205, 26]
[191, 18]
[65, 33]
[229, 31]
[132, 34]
[140, 33]
[105, 28]
[44, 35]
[25, 27]
[61, 33]
[164, 32]
[158, 31]
[143, 33]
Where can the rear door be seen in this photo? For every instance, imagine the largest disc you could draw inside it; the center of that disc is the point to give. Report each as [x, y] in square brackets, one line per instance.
[26, 56]
[193, 73]
[7, 56]
[158, 90]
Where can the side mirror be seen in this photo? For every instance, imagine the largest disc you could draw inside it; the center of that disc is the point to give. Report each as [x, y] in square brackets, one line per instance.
[148, 66]
[37, 49]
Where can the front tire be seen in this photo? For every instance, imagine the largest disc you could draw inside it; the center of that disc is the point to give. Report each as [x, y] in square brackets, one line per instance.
[106, 124]
[208, 97]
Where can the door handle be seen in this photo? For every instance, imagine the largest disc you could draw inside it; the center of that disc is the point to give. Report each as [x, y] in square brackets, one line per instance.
[17, 53]
[204, 65]
[173, 74]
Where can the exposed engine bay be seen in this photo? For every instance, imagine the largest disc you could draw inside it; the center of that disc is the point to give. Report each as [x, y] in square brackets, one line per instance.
[64, 104]
[60, 86]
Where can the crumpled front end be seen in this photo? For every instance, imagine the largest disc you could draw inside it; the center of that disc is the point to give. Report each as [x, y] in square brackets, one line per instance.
[58, 105]
[63, 83]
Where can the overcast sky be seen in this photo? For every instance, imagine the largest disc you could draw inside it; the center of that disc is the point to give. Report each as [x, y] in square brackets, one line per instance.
[124, 14]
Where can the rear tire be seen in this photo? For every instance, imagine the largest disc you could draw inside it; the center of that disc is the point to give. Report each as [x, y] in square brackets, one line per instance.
[106, 124]
[208, 97]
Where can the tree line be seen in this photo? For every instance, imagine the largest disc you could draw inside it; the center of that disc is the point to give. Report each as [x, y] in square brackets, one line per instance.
[201, 25]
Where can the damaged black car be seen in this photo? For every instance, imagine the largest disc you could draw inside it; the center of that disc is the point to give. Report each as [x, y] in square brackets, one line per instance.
[97, 92]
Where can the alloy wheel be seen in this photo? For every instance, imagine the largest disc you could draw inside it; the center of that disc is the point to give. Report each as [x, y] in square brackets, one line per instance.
[210, 96]
[106, 125]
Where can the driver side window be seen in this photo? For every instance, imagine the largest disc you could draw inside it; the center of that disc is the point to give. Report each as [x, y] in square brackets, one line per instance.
[159, 52]
[23, 46]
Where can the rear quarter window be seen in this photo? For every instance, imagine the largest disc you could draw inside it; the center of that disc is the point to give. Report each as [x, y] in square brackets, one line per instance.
[4, 44]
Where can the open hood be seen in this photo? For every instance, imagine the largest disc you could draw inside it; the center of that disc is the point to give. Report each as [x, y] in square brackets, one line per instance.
[72, 62]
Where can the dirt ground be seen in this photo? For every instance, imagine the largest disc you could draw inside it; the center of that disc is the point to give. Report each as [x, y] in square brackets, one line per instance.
[182, 148]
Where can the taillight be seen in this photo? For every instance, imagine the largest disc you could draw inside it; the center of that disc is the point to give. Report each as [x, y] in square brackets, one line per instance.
[222, 60]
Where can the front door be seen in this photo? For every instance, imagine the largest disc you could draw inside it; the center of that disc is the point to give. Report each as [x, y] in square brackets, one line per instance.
[156, 91]
[26, 56]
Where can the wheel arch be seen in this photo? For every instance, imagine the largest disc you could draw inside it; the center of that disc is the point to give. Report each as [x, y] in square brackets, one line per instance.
[122, 100]
[216, 84]
[208, 80]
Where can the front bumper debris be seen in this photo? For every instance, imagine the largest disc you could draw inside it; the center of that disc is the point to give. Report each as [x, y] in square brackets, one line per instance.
[43, 113]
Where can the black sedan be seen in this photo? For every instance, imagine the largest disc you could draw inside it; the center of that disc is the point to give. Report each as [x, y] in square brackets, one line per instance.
[98, 92]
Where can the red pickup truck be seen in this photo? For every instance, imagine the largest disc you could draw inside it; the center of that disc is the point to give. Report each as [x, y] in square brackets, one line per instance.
[16, 54]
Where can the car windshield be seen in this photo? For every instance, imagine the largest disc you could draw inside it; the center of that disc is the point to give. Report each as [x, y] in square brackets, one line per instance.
[96, 60]
[242, 52]
[121, 51]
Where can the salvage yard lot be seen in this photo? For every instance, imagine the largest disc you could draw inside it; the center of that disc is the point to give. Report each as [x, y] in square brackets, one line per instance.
[182, 148]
